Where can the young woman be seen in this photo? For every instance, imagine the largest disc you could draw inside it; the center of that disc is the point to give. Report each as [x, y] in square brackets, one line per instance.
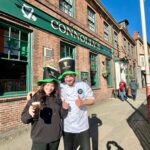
[45, 111]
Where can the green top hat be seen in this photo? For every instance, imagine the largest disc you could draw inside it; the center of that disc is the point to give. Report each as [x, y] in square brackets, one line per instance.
[67, 66]
[50, 74]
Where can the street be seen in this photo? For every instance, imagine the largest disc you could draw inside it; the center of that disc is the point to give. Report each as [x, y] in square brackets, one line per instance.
[112, 122]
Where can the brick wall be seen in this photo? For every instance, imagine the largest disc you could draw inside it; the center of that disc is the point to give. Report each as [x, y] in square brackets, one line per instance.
[10, 114]
[10, 110]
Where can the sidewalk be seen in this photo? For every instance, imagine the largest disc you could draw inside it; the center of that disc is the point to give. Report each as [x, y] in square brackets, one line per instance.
[124, 123]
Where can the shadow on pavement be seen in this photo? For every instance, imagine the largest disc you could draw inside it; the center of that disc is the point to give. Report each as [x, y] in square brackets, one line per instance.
[113, 145]
[139, 124]
[94, 123]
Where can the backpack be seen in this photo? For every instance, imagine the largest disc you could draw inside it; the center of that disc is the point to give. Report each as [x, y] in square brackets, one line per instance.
[121, 86]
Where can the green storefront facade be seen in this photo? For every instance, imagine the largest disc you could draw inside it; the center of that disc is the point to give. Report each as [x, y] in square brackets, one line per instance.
[22, 49]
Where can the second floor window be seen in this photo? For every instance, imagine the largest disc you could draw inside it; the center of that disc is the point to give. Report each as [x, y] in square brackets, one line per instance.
[67, 6]
[129, 48]
[106, 31]
[116, 40]
[125, 44]
[91, 19]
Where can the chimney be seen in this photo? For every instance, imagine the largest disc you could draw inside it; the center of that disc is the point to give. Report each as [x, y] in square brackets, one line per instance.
[136, 35]
[124, 24]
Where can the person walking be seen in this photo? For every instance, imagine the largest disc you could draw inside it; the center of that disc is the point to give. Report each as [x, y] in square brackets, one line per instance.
[134, 87]
[78, 95]
[122, 90]
[45, 111]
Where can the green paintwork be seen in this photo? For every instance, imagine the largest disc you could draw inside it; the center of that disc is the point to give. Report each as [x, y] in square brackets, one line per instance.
[44, 21]
[23, 49]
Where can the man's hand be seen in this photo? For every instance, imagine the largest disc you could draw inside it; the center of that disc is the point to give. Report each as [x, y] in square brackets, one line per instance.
[65, 105]
[79, 102]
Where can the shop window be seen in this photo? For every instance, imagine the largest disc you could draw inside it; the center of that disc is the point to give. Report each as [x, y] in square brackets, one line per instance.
[109, 73]
[67, 6]
[67, 50]
[14, 60]
[93, 70]
[106, 31]
[91, 19]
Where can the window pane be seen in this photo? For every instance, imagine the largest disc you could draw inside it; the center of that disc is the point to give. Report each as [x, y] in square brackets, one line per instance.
[67, 6]
[91, 20]
[109, 74]
[24, 36]
[66, 50]
[93, 70]
[13, 77]
[106, 31]
[13, 58]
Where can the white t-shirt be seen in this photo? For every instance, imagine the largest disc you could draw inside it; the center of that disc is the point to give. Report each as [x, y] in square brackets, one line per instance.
[77, 118]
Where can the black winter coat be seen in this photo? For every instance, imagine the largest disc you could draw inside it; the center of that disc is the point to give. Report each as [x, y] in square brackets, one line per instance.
[47, 125]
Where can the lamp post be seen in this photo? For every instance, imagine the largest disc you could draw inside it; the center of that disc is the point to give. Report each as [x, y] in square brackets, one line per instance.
[146, 57]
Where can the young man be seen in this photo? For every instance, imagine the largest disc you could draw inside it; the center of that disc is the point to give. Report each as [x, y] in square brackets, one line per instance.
[78, 95]
[134, 87]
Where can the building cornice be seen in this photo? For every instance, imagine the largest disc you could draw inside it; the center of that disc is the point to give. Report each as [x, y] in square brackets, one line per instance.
[128, 35]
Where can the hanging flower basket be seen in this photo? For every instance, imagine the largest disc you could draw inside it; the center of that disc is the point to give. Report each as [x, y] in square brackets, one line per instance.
[105, 74]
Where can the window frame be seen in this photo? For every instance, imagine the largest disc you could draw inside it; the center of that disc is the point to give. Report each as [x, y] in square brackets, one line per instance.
[63, 6]
[29, 64]
[96, 70]
[106, 31]
[109, 71]
[91, 19]
[72, 48]
[115, 37]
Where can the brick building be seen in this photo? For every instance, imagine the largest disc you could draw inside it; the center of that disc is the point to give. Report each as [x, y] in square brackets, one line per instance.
[141, 66]
[37, 33]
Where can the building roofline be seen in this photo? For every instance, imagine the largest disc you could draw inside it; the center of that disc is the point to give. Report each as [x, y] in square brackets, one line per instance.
[127, 34]
[101, 6]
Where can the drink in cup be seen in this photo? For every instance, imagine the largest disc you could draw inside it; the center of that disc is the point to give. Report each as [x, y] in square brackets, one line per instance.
[36, 105]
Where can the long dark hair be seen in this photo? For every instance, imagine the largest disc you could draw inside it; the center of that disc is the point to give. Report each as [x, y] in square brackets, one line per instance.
[40, 95]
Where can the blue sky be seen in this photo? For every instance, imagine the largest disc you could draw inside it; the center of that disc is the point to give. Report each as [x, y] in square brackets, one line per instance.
[130, 10]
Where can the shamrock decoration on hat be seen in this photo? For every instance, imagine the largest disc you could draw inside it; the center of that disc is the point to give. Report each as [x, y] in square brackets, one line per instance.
[67, 66]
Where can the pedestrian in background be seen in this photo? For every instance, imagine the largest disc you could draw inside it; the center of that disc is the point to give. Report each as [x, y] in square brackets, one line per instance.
[122, 90]
[134, 86]
[45, 111]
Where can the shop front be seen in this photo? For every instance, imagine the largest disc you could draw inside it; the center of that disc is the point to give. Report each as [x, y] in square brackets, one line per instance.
[31, 39]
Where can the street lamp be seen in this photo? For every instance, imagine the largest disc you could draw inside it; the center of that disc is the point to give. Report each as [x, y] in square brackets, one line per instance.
[146, 56]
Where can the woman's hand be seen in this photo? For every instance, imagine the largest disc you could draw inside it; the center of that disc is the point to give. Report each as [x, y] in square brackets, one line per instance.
[30, 94]
[31, 111]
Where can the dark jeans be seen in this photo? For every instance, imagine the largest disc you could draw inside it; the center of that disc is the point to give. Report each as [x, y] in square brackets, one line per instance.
[71, 140]
[45, 146]
[133, 92]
